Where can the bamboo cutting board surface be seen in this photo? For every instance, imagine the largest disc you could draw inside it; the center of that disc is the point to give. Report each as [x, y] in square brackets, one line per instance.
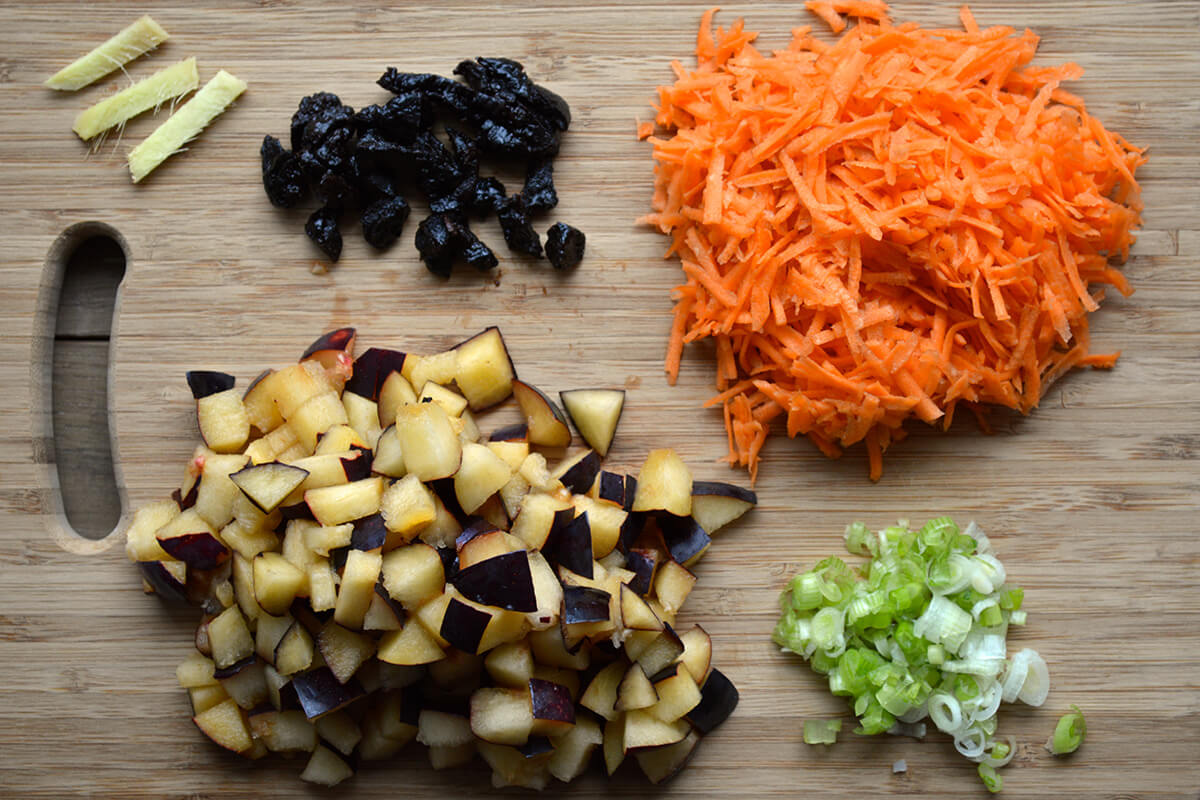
[1091, 501]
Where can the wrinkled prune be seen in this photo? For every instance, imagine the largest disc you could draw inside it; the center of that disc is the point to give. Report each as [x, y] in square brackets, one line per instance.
[283, 177]
[499, 76]
[439, 241]
[477, 254]
[564, 245]
[539, 193]
[310, 107]
[401, 118]
[398, 82]
[380, 184]
[436, 170]
[334, 150]
[360, 162]
[518, 137]
[489, 196]
[336, 191]
[383, 220]
[466, 150]
[376, 149]
[322, 228]
[517, 227]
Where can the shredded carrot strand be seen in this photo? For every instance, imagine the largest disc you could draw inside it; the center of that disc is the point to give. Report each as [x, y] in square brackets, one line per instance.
[884, 227]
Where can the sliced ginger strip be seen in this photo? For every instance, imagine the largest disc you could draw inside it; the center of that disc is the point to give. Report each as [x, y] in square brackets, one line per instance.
[166, 84]
[136, 39]
[185, 124]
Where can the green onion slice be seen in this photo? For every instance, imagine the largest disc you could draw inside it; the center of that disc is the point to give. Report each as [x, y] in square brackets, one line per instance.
[821, 731]
[1068, 733]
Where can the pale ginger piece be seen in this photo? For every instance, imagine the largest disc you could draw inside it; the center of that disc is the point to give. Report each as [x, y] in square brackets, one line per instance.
[185, 124]
[137, 39]
[166, 84]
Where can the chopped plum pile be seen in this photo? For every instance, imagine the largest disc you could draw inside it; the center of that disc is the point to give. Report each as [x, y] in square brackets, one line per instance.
[357, 163]
[374, 569]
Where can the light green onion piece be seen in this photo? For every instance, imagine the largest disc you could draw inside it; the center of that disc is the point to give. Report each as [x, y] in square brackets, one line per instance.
[944, 623]
[806, 592]
[1068, 733]
[821, 731]
[827, 628]
[860, 540]
[990, 778]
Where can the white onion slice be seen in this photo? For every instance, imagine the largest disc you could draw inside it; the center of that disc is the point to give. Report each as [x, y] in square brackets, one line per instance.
[971, 743]
[983, 545]
[1014, 676]
[1037, 682]
[986, 704]
[988, 574]
[1000, 762]
[946, 712]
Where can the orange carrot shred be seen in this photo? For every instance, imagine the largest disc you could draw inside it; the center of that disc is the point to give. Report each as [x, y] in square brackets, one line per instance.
[884, 227]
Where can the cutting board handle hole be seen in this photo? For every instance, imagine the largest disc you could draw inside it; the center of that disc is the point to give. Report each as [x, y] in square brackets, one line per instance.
[84, 271]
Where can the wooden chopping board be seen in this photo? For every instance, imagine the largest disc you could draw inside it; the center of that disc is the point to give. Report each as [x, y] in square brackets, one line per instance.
[1091, 501]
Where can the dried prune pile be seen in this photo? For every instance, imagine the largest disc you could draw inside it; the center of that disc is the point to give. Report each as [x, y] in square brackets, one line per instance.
[360, 163]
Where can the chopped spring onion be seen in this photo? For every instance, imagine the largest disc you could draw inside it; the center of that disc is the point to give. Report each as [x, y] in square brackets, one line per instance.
[821, 731]
[991, 780]
[971, 743]
[945, 711]
[1068, 733]
[1001, 753]
[1027, 678]
[943, 623]
[918, 632]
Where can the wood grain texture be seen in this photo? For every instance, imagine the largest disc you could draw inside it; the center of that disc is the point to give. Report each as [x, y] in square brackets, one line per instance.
[1090, 501]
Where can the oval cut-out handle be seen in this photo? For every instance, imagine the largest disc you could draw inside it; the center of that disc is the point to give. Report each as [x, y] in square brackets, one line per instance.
[84, 270]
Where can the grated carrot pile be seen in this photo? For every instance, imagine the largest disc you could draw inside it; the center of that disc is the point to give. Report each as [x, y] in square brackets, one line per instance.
[884, 227]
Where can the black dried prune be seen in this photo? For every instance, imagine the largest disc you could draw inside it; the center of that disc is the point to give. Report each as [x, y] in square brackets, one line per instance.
[283, 177]
[489, 196]
[436, 170]
[539, 193]
[374, 148]
[310, 107]
[335, 191]
[376, 185]
[509, 136]
[564, 245]
[466, 150]
[457, 192]
[439, 241]
[329, 128]
[383, 220]
[398, 82]
[334, 150]
[517, 227]
[477, 254]
[504, 77]
[445, 93]
[322, 228]
[401, 118]
[553, 108]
